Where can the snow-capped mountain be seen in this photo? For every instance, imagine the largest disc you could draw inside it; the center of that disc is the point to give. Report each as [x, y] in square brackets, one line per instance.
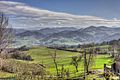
[24, 16]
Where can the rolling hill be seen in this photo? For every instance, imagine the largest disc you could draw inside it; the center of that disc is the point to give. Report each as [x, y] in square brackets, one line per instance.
[69, 36]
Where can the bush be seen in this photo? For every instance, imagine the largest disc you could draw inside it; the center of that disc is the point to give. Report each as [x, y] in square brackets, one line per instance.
[23, 48]
[23, 70]
[21, 56]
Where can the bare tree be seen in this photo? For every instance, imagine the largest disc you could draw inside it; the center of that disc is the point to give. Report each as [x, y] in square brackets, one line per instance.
[5, 32]
[85, 62]
[54, 57]
[90, 59]
[89, 56]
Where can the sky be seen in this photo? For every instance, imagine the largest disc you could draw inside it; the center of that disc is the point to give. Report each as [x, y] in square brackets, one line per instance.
[101, 8]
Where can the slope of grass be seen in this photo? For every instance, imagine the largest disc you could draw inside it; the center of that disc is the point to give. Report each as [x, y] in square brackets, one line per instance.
[42, 55]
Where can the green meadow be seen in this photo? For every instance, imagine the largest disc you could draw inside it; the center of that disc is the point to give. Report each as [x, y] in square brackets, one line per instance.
[42, 55]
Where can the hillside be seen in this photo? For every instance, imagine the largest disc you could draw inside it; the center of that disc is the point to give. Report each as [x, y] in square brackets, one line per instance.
[69, 36]
[43, 55]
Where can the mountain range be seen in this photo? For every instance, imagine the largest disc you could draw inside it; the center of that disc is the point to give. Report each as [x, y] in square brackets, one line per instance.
[67, 35]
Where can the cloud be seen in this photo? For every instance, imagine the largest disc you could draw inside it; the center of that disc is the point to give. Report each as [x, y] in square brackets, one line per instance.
[24, 16]
[11, 3]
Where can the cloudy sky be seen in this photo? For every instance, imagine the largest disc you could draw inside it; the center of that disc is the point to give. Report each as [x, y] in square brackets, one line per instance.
[62, 13]
[101, 8]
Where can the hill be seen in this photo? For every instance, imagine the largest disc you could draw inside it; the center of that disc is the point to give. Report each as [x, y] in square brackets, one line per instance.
[69, 36]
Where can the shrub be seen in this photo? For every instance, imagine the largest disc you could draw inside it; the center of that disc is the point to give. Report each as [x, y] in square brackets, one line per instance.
[21, 56]
[23, 70]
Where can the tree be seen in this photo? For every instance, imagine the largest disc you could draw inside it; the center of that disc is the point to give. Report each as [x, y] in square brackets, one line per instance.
[89, 56]
[5, 32]
[89, 59]
[54, 57]
[5, 36]
[75, 60]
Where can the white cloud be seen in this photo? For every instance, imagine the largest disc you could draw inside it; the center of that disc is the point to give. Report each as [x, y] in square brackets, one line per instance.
[11, 3]
[27, 16]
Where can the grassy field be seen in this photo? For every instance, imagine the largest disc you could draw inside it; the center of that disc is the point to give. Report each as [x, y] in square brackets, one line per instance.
[42, 55]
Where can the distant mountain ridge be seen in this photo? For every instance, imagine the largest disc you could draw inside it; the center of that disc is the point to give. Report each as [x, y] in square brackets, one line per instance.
[69, 35]
[44, 32]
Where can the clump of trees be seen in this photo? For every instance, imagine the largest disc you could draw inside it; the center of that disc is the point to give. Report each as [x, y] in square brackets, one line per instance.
[23, 48]
[20, 56]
